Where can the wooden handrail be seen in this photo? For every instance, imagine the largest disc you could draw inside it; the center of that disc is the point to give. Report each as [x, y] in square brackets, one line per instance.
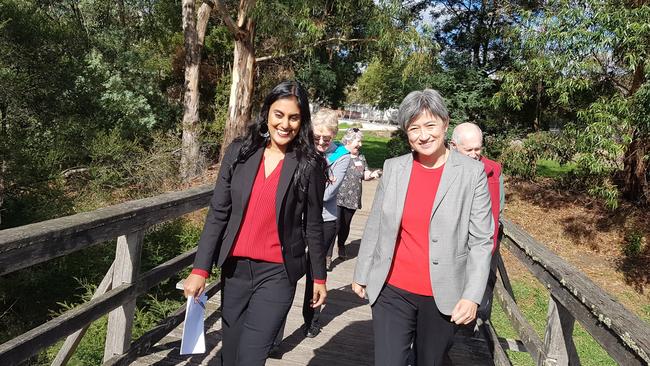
[572, 295]
[624, 336]
[28, 245]
[30, 343]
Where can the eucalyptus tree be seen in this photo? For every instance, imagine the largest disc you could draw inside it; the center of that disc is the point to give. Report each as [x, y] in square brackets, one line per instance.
[319, 41]
[592, 58]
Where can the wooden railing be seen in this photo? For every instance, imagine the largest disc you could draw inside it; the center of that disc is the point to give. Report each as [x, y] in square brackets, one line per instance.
[116, 294]
[572, 296]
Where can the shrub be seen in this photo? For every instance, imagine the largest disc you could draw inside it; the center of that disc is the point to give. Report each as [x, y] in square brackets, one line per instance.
[633, 244]
[519, 162]
[398, 144]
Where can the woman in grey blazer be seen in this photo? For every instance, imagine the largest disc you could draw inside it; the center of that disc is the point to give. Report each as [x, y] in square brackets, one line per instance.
[425, 253]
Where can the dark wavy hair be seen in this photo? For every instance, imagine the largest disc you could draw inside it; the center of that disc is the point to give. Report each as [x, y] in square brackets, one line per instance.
[302, 144]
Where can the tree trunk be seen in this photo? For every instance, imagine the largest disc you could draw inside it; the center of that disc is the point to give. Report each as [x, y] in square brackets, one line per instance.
[538, 107]
[241, 90]
[3, 154]
[635, 165]
[636, 169]
[194, 34]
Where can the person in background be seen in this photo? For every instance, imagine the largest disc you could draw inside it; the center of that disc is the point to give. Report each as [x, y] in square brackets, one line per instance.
[425, 253]
[348, 199]
[325, 124]
[266, 209]
[467, 138]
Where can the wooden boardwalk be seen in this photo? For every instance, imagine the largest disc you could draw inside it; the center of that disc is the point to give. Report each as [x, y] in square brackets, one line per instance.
[346, 337]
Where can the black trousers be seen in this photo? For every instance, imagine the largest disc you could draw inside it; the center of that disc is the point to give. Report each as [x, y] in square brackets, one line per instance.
[484, 311]
[256, 298]
[329, 234]
[400, 318]
[310, 314]
[344, 220]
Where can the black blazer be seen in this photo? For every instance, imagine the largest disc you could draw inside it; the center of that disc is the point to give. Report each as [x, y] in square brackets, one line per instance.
[298, 214]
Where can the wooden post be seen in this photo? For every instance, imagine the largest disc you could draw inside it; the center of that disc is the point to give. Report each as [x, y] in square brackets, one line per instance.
[558, 338]
[120, 320]
[71, 343]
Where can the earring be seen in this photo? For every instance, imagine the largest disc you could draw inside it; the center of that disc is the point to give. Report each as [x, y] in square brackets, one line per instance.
[264, 131]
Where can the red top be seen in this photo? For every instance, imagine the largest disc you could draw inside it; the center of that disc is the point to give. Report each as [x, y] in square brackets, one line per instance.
[493, 172]
[410, 269]
[258, 236]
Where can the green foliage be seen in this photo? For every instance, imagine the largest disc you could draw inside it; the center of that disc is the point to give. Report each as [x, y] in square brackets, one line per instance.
[633, 243]
[589, 66]
[519, 162]
[398, 144]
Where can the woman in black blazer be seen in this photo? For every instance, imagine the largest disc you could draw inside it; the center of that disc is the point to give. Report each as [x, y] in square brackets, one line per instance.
[264, 215]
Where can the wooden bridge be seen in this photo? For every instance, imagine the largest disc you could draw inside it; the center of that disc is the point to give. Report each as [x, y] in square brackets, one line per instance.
[346, 338]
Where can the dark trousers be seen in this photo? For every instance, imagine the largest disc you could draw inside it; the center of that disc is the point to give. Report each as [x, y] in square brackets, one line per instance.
[344, 220]
[329, 234]
[485, 307]
[310, 314]
[256, 298]
[484, 311]
[400, 318]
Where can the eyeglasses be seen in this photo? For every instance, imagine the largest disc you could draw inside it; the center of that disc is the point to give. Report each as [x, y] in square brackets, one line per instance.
[326, 139]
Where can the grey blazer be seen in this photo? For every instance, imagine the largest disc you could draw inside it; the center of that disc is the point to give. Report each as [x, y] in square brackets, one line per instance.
[460, 233]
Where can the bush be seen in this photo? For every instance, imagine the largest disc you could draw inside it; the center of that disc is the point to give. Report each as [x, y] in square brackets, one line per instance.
[398, 144]
[519, 162]
[633, 244]
[117, 162]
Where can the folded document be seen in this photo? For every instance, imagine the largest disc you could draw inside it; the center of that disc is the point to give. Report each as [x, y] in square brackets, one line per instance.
[193, 340]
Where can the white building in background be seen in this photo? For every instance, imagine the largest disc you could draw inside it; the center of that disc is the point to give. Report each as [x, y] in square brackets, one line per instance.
[370, 113]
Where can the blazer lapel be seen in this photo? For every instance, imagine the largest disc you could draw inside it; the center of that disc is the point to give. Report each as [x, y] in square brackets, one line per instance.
[248, 173]
[402, 181]
[449, 174]
[288, 168]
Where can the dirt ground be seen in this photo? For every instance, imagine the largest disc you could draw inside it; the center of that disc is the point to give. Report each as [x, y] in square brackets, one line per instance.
[587, 235]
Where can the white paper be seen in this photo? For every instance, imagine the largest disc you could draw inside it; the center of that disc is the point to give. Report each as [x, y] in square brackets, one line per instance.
[193, 340]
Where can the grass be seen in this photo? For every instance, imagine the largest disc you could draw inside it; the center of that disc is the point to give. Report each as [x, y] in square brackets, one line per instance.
[532, 299]
[374, 147]
[553, 169]
[344, 125]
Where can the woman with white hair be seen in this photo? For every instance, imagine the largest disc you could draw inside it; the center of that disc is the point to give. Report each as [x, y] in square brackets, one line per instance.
[325, 124]
[349, 198]
[425, 253]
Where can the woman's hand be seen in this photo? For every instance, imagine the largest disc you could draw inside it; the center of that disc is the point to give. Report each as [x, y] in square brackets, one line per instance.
[320, 294]
[464, 312]
[360, 290]
[194, 285]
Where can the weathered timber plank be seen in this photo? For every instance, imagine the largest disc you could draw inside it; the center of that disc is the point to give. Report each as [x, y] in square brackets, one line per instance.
[29, 343]
[612, 342]
[558, 337]
[71, 343]
[120, 320]
[147, 340]
[628, 328]
[499, 356]
[518, 321]
[36, 243]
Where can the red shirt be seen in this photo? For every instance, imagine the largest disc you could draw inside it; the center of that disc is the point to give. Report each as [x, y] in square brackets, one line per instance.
[410, 269]
[493, 172]
[258, 236]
